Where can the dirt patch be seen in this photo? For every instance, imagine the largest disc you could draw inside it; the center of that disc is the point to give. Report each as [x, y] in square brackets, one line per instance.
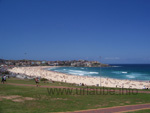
[58, 99]
[41, 97]
[127, 102]
[121, 104]
[16, 98]
[10, 97]
[28, 98]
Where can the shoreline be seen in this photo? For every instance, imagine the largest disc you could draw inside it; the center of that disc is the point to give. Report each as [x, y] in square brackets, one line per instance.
[95, 76]
[40, 71]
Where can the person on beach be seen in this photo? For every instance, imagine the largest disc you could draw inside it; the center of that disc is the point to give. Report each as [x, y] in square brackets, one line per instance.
[2, 79]
[37, 81]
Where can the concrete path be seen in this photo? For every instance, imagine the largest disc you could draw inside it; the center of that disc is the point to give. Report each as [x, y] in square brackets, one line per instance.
[117, 109]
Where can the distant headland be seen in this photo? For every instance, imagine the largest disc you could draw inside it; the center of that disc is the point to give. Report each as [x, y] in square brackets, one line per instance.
[73, 63]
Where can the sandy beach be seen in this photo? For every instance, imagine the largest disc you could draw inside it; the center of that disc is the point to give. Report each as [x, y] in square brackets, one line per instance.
[86, 80]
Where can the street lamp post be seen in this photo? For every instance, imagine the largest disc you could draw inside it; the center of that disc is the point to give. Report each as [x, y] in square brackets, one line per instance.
[100, 71]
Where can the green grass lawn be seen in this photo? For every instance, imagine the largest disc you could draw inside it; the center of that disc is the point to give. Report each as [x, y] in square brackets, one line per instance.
[44, 102]
[30, 81]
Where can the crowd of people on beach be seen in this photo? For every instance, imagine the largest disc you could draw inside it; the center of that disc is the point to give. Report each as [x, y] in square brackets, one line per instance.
[81, 80]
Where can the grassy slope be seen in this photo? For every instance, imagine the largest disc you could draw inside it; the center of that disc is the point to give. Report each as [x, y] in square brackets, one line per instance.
[27, 81]
[58, 103]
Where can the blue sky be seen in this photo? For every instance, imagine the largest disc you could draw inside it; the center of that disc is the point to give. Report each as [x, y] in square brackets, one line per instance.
[116, 30]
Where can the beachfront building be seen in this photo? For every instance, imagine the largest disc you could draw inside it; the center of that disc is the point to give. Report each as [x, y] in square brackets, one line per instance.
[43, 62]
[38, 62]
[56, 64]
[87, 64]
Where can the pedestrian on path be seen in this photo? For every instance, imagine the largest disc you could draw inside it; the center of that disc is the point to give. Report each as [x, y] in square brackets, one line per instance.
[37, 81]
[2, 79]
[5, 78]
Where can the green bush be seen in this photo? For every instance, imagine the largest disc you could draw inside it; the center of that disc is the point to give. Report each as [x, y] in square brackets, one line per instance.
[44, 79]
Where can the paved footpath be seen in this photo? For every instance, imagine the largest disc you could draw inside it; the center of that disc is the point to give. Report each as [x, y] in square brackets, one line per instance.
[117, 109]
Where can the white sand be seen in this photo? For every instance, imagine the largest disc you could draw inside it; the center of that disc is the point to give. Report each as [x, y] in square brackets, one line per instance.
[90, 81]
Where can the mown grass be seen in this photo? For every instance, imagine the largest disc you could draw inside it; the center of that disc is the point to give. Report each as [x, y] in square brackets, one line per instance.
[45, 102]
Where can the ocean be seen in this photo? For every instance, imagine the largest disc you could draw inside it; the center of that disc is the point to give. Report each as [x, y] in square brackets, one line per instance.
[117, 71]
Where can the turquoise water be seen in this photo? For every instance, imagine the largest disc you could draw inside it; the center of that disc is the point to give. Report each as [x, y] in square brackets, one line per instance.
[117, 71]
